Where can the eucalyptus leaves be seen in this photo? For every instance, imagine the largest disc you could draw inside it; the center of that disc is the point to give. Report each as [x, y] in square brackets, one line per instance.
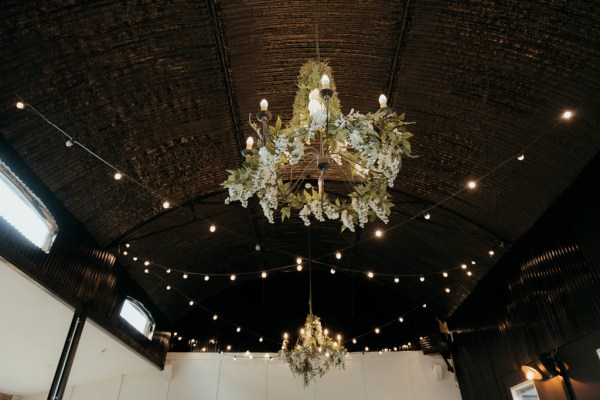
[367, 149]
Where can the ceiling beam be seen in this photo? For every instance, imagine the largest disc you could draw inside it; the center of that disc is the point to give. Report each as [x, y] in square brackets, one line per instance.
[399, 44]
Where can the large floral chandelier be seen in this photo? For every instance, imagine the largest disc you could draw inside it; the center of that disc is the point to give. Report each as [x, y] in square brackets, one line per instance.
[361, 154]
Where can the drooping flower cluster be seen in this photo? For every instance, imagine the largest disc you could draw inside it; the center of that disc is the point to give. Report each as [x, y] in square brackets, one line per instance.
[314, 353]
[368, 147]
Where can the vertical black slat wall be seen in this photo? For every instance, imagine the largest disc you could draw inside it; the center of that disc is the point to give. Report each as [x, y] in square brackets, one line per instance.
[78, 270]
[543, 295]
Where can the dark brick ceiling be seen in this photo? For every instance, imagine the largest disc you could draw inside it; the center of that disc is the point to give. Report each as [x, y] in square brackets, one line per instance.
[163, 91]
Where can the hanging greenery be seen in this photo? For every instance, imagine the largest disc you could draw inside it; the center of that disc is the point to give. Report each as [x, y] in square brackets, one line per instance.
[368, 146]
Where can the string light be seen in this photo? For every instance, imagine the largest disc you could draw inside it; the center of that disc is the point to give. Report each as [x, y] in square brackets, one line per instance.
[473, 262]
[445, 274]
[299, 267]
[168, 271]
[396, 279]
[377, 331]
[447, 290]
[206, 278]
[69, 143]
[427, 216]
[263, 275]
[232, 277]
[422, 279]
[567, 115]
[166, 204]
[366, 348]
[491, 253]
[338, 255]
[332, 271]
[260, 339]
[354, 341]
[370, 274]
[228, 347]
[168, 287]
[401, 319]
[212, 228]
[463, 266]
[378, 233]
[135, 258]
[20, 105]
[146, 263]
[238, 329]
[191, 302]
[215, 317]
[469, 273]
[424, 305]
[125, 253]
[118, 176]
[472, 184]
[185, 276]
[146, 271]
[521, 157]
[127, 245]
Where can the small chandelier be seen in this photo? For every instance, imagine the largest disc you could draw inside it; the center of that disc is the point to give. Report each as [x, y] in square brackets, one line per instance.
[315, 352]
[289, 166]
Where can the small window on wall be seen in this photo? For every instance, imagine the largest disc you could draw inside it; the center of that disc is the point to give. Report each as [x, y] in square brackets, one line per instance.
[23, 210]
[524, 391]
[137, 316]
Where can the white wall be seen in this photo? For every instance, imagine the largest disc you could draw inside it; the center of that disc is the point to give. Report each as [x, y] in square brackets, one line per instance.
[199, 376]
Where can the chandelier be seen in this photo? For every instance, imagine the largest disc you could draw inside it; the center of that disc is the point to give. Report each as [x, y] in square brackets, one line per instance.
[314, 353]
[358, 155]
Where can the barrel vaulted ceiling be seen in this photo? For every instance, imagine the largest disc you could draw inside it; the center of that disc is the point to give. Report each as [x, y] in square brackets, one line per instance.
[163, 90]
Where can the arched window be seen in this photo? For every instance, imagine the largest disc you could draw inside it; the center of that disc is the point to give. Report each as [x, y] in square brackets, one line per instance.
[137, 316]
[23, 210]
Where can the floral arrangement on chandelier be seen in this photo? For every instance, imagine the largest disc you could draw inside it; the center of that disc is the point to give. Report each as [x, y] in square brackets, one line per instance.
[314, 353]
[364, 150]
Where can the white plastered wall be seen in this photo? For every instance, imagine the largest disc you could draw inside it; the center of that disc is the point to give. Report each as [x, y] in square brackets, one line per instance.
[199, 376]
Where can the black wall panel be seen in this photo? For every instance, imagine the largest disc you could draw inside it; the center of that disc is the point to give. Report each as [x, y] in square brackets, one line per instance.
[543, 295]
[79, 271]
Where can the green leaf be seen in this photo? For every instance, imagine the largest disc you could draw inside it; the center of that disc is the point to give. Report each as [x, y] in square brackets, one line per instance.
[278, 124]
[285, 213]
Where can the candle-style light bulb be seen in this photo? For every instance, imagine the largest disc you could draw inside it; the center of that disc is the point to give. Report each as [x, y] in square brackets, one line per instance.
[249, 143]
[325, 81]
[382, 101]
[264, 105]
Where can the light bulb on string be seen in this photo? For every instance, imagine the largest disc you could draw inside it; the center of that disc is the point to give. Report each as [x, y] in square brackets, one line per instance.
[469, 273]
[127, 245]
[424, 305]
[422, 279]
[263, 274]
[354, 341]
[206, 277]
[521, 157]
[463, 266]
[338, 255]
[491, 253]
[215, 317]
[166, 205]
[191, 302]
[168, 271]
[378, 233]
[260, 339]
[118, 176]
[472, 184]
[298, 260]
[377, 330]
[146, 263]
[427, 216]
[20, 105]
[212, 228]
[447, 290]
[473, 262]
[238, 329]
[396, 280]
[125, 253]
[232, 277]
[299, 267]
[185, 276]
[332, 271]
[135, 258]
[401, 319]
[168, 287]
[146, 271]
[445, 274]
[69, 143]
[567, 115]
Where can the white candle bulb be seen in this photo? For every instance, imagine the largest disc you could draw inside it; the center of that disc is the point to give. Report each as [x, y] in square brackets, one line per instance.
[264, 105]
[382, 101]
[325, 81]
[249, 143]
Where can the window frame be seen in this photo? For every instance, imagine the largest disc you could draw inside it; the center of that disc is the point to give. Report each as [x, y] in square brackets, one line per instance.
[139, 307]
[33, 202]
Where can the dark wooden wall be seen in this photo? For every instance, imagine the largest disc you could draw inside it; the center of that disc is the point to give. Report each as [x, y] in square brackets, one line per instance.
[78, 270]
[543, 295]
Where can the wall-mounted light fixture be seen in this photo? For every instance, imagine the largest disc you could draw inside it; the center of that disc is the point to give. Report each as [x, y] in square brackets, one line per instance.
[544, 367]
[531, 373]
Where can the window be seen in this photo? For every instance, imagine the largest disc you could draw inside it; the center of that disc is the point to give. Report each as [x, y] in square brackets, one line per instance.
[524, 391]
[137, 316]
[23, 210]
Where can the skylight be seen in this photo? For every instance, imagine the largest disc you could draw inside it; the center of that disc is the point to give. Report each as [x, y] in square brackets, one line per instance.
[138, 317]
[23, 210]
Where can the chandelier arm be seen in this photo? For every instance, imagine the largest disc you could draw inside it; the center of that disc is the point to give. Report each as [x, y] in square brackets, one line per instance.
[295, 185]
[349, 182]
[309, 273]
